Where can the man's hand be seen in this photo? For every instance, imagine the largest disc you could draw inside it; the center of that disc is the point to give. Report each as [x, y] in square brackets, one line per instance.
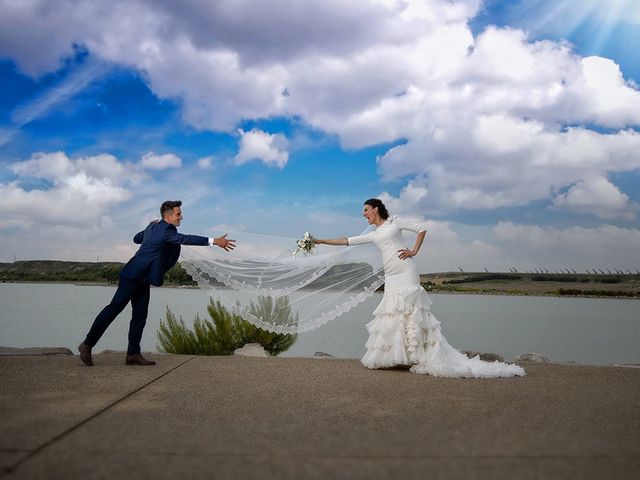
[225, 243]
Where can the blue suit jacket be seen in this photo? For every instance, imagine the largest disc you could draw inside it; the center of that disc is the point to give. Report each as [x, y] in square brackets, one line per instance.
[159, 252]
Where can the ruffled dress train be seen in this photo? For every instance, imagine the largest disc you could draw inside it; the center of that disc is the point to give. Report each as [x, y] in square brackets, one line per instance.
[405, 332]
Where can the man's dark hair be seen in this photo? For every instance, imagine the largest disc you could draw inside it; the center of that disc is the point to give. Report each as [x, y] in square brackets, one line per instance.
[168, 206]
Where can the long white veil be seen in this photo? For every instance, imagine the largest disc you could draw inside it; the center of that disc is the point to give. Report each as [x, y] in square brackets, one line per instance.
[263, 282]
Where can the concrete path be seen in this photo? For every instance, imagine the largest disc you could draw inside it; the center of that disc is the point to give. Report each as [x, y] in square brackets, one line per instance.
[262, 418]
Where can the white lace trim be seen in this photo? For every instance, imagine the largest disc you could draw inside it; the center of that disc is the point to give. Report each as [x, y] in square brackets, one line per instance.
[197, 274]
[354, 300]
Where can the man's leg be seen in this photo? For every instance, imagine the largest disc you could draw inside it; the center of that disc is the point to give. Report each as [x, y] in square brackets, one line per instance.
[140, 309]
[124, 293]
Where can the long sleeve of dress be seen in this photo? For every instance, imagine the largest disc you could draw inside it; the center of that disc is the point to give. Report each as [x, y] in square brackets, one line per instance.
[406, 224]
[361, 239]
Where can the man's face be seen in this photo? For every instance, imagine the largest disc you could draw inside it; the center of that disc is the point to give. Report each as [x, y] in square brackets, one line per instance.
[174, 217]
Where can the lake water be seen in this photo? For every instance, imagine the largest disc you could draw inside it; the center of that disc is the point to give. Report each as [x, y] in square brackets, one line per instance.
[584, 330]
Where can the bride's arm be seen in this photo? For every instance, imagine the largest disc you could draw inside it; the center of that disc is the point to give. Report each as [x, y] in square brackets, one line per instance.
[333, 241]
[406, 253]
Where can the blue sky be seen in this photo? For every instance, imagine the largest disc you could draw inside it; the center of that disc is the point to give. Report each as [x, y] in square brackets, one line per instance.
[512, 127]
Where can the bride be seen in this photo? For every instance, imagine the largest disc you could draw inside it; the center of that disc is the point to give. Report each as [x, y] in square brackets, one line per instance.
[403, 330]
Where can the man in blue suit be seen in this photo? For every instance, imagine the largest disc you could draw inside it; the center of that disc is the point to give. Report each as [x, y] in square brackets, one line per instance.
[158, 252]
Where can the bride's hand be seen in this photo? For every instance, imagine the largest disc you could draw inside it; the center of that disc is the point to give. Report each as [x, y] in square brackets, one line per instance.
[405, 253]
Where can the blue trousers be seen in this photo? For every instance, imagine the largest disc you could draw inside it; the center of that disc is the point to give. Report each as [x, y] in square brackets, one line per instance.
[138, 294]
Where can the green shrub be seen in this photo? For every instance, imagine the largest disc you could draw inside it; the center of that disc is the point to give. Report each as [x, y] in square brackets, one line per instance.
[226, 332]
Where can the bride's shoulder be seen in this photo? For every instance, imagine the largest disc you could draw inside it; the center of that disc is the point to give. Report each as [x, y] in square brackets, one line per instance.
[403, 223]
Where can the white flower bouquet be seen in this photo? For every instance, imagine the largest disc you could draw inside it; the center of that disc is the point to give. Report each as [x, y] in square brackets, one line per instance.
[306, 245]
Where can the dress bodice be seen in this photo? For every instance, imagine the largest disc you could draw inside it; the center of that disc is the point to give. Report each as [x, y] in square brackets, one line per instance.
[399, 274]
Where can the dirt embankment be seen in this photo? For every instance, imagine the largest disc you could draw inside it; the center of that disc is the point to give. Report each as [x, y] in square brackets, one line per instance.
[608, 285]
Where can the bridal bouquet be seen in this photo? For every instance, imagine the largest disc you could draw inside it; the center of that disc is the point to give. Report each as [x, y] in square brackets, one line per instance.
[306, 245]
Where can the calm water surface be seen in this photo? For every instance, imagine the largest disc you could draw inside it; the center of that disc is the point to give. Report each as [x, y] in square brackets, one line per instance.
[584, 330]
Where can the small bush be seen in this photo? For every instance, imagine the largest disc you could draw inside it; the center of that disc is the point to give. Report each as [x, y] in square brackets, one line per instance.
[226, 332]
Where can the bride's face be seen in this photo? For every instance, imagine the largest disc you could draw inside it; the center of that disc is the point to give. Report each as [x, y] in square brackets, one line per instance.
[370, 214]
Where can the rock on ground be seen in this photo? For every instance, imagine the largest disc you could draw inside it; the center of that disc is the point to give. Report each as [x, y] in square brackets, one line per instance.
[251, 350]
[487, 357]
[532, 357]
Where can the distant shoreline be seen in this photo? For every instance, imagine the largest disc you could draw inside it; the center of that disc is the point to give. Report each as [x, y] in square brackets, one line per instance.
[574, 285]
[614, 286]
[436, 291]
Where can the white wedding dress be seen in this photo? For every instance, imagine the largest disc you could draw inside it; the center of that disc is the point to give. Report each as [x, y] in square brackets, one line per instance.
[403, 330]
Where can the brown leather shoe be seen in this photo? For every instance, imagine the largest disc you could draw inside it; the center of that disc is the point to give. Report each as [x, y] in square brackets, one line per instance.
[85, 354]
[138, 360]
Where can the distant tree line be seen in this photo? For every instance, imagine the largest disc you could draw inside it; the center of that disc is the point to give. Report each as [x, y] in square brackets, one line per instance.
[93, 272]
[482, 277]
[566, 278]
[597, 293]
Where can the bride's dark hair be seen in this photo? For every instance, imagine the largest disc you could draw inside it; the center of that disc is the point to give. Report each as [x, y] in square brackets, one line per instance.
[377, 203]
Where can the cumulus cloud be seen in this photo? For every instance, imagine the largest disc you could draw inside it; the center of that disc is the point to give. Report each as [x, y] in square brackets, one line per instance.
[607, 93]
[151, 161]
[504, 161]
[405, 203]
[597, 196]
[258, 145]
[53, 189]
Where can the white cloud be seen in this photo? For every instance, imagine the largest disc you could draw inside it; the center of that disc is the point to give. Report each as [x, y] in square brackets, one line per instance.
[152, 161]
[205, 162]
[607, 99]
[77, 192]
[258, 145]
[444, 249]
[62, 242]
[505, 162]
[597, 196]
[577, 247]
[412, 195]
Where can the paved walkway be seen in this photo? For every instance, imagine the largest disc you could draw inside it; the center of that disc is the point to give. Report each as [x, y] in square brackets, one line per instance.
[263, 418]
